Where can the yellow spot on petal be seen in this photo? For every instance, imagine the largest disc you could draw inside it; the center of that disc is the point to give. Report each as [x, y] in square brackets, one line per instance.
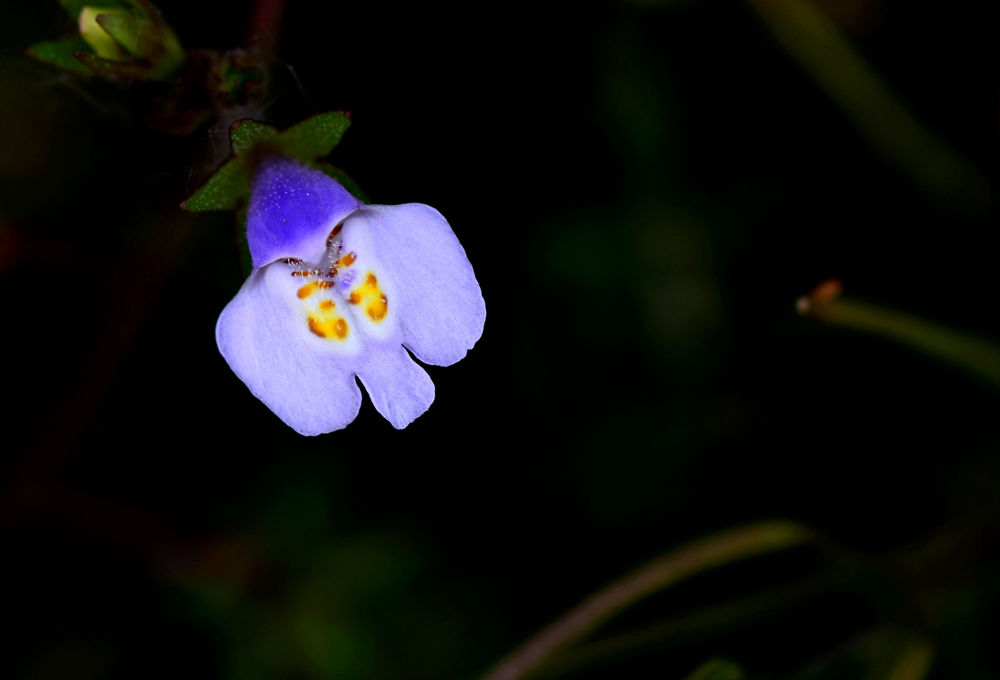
[371, 295]
[328, 328]
[316, 327]
[377, 310]
[327, 305]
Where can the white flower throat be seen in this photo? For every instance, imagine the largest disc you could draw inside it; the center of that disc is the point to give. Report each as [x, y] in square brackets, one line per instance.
[344, 294]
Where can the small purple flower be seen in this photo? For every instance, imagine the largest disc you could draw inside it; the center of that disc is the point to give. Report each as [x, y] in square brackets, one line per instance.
[338, 289]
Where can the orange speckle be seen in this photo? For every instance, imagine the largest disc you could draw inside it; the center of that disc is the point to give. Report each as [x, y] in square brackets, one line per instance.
[347, 260]
[306, 290]
[334, 232]
[327, 305]
[827, 291]
[377, 310]
[371, 280]
[355, 298]
[301, 272]
[323, 283]
[328, 328]
[316, 328]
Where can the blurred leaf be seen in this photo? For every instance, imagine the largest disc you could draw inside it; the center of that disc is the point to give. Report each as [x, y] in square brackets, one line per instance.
[238, 77]
[224, 190]
[131, 69]
[126, 31]
[62, 53]
[244, 133]
[717, 669]
[74, 7]
[314, 137]
[891, 653]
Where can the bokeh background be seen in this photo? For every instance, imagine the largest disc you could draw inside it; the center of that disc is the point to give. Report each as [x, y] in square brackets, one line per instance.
[644, 190]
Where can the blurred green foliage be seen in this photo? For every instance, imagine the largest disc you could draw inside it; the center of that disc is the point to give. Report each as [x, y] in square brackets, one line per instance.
[643, 197]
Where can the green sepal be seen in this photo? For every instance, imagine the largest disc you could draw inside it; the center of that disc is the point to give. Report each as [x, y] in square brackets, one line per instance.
[314, 137]
[224, 190]
[717, 669]
[62, 53]
[74, 7]
[124, 69]
[127, 31]
[244, 134]
[307, 141]
[246, 258]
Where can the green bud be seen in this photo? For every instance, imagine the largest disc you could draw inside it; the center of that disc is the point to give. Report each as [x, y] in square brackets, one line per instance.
[133, 34]
[91, 30]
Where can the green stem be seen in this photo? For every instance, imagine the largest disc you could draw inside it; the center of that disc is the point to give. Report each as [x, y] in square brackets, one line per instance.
[727, 616]
[669, 569]
[830, 59]
[970, 353]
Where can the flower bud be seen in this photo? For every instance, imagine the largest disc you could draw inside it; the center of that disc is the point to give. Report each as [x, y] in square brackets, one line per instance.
[94, 34]
[133, 34]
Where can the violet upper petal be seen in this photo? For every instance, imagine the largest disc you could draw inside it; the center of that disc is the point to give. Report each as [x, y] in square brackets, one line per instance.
[292, 210]
[441, 308]
[307, 381]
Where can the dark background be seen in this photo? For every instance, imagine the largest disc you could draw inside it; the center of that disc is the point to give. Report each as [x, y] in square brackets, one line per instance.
[644, 189]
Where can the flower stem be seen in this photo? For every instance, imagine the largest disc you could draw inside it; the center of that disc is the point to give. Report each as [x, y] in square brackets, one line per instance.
[265, 23]
[660, 573]
[727, 616]
[829, 58]
[970, 353]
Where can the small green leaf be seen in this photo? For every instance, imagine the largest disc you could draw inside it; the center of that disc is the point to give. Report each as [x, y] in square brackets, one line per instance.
[224, 190]
[246, 259]
[246, 132]
[717, 669]
[307, 141]
[62, 53]
[314, 137]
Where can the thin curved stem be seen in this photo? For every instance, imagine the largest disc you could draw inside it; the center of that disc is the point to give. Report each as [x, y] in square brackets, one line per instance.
[876, 112]
[975, 355]
[698, 556]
